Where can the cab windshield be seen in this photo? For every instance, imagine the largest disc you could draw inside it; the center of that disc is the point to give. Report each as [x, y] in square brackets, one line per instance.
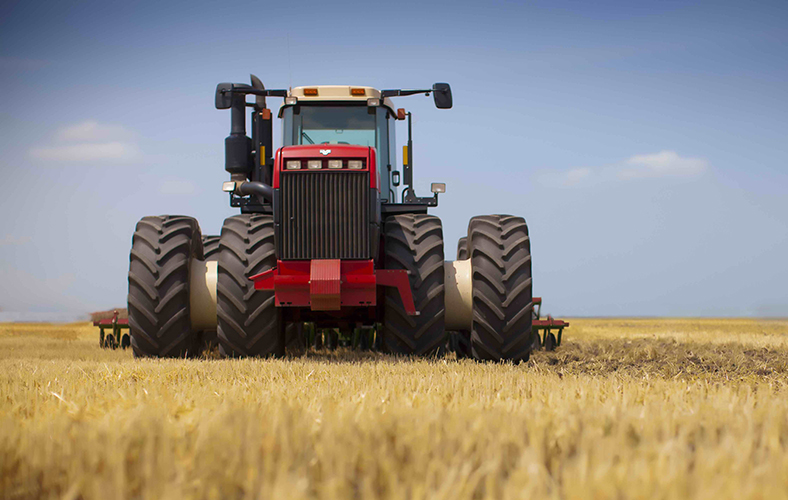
[335, 125]
[345, 124]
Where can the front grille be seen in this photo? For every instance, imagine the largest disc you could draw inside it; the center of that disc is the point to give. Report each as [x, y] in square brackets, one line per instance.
[325, 215]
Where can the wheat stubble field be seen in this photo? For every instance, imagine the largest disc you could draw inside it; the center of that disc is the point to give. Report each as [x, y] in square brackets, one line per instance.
[640, 408]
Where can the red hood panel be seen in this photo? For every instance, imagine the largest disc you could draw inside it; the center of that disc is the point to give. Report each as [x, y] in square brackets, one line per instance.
[325, 151]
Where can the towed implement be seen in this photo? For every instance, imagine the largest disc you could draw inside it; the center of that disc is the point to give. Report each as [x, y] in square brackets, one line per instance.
[548, 332]
[114, 337]
[326, 237]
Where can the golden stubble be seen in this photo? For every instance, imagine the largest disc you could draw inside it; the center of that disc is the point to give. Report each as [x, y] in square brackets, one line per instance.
[628, 408]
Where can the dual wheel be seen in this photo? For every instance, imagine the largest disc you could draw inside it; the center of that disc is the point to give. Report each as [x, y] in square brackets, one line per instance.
[500, 252]
[249, 324]
[159, 302]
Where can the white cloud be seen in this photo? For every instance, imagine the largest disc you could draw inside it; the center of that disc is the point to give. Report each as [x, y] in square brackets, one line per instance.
[90, 141]
[576, 176]
[656, 165]
[11, 240]
[663, 164]
[87, 152]
[91, 131]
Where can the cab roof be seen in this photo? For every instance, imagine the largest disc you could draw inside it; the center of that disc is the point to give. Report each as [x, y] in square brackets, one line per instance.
[317, 93]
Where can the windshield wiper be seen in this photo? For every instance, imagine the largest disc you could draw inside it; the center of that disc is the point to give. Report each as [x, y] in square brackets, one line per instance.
[303, 134]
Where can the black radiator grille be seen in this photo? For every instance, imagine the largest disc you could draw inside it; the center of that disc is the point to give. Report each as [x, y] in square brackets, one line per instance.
[325, 215]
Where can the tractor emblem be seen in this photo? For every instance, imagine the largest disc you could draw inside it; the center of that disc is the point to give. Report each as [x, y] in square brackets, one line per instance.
[325, 152]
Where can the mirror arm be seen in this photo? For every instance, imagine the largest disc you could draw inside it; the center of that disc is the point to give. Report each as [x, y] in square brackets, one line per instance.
[441, 92]
[245, 89]
[403, 92]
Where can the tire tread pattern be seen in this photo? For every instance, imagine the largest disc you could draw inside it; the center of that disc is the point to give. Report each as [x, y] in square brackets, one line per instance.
[414, 242]
[158, 299]
[249, 323]
[500, 252]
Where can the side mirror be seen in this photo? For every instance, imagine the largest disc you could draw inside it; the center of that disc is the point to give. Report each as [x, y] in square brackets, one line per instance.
[441, 92]
[224, 96]
[395, 178]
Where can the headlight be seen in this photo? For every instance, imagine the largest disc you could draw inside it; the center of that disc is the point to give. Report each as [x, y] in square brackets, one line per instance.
[293, 164]
[334, 163]
[355, 164]
[315, 164]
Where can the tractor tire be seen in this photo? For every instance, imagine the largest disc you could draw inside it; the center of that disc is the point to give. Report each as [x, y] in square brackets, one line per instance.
[125, 341]
[500, 252]
[462, 248]
[158, 302]
[249, 323]
[414, 242]
[210, 245]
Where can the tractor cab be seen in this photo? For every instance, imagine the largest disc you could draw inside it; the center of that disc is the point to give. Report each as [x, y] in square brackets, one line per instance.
[312, 117]
[332, 115]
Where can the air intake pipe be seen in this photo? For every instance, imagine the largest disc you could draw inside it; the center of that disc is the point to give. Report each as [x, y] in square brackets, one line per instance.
[237, 146]
[256, 188]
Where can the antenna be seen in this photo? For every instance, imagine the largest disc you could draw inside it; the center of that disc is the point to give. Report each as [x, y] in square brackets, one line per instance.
[289, 63]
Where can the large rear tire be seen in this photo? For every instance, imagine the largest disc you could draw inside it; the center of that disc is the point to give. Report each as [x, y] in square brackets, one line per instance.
[158, 302]
[500, 252]
[414, 242]
[249, 323]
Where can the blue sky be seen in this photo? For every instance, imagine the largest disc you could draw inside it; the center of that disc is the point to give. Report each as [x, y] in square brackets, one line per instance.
[645, 143]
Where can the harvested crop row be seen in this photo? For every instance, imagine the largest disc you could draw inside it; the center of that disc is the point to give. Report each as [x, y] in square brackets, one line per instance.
[598, 418]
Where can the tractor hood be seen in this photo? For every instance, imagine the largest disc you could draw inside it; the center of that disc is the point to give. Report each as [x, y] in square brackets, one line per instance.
[327, 158]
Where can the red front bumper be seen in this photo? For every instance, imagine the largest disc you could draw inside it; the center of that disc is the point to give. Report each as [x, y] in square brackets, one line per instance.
[328, 285]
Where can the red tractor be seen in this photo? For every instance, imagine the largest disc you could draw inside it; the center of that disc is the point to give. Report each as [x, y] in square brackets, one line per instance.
[324, 238]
